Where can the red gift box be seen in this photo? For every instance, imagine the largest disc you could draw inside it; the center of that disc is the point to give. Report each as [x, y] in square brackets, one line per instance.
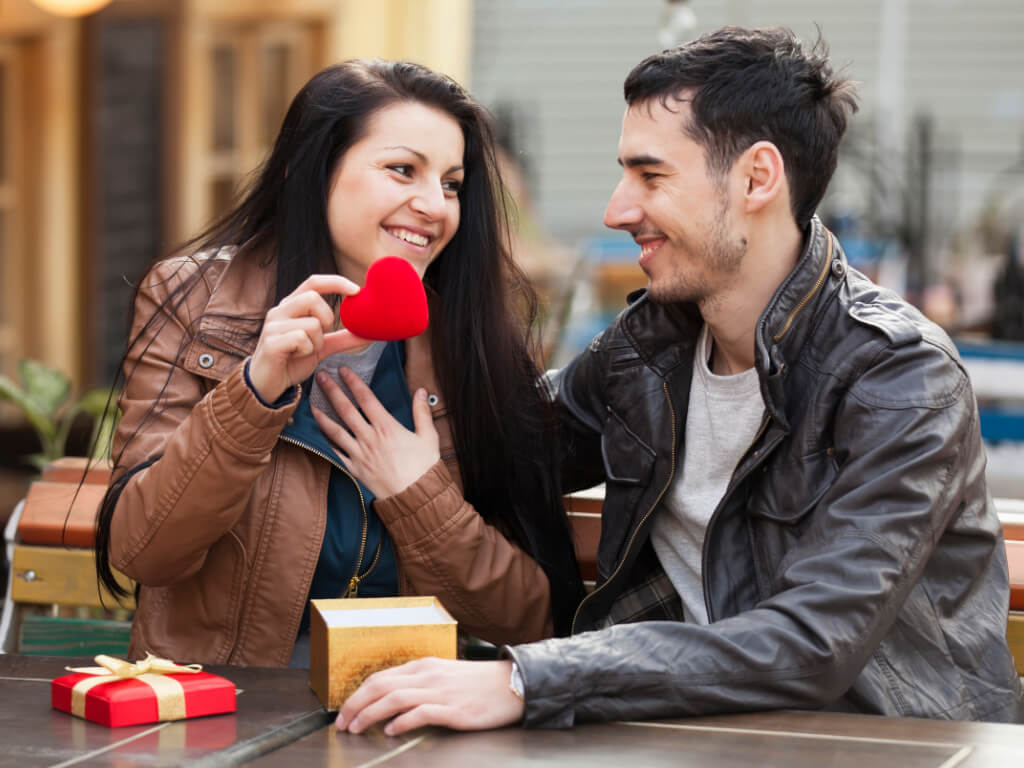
[122, 694]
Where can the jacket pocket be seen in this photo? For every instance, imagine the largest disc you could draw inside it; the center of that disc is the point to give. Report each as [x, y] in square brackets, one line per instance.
[627, 458]
[790, 487]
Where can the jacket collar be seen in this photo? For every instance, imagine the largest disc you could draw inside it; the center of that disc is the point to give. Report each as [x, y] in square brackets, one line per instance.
[665, 335]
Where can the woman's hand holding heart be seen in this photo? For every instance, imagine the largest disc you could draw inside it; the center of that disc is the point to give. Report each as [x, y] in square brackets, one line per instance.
[297, 334]
[382, 454]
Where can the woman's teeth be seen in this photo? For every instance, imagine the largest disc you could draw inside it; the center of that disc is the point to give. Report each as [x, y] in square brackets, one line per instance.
[409, 237]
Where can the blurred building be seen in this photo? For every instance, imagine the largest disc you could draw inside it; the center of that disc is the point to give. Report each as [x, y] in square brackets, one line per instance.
[930, 187]
[124, 131]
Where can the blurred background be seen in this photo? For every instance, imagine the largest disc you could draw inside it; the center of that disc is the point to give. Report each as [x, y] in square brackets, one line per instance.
[125, 125]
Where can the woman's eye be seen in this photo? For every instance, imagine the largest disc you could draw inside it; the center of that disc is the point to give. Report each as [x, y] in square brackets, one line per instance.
[452, 186]
[403, 168]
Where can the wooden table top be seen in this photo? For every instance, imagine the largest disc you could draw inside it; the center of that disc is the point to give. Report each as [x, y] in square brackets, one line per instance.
[274, 707]
[787, 739]
[280, 722]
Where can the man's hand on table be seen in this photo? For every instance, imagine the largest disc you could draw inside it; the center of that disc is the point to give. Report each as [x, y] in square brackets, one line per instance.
[463, 695]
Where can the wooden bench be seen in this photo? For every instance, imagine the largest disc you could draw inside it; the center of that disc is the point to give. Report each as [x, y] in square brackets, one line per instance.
[49, 540]
[51, 555]
[585, 516]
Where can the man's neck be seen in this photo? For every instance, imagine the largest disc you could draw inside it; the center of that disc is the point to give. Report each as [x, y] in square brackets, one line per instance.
[733, 313]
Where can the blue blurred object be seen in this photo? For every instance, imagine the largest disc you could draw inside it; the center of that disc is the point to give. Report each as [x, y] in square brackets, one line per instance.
[996, 369]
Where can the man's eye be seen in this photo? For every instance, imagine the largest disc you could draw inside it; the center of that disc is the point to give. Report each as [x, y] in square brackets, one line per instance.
[403, 168]
[648, 176]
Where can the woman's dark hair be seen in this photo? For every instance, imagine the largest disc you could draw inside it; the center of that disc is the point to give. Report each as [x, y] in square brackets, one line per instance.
[749, 85]
[484, 335]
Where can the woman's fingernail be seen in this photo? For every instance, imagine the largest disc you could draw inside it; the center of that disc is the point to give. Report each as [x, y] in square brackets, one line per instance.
[340, 722]
[421, 394]
[321, 377]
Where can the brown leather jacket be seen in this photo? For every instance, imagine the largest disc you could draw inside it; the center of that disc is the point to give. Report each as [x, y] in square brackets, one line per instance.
[223, 531]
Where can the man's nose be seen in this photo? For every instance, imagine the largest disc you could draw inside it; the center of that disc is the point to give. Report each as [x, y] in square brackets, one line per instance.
[623, 211]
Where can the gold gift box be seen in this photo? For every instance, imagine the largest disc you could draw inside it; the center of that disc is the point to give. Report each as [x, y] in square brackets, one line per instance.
[350, 639]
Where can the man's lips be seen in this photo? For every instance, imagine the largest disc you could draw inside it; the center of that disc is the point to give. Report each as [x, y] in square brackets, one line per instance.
[648, 246]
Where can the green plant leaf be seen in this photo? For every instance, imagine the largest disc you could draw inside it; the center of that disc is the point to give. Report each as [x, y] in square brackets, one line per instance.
[41, 421]
[94, 402]
[46, 387]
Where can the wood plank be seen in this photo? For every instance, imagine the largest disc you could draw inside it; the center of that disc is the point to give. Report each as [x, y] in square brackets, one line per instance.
[70, 469]
[1015, 638]
[53, 575]
[60, 514]
[1015, 562]
[56, 636]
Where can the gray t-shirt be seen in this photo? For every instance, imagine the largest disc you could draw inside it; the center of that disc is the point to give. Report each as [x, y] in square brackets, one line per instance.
[363, 363]
[724, 415]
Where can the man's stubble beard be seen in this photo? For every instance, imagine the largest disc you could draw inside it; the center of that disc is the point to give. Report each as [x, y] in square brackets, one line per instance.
[718, 258]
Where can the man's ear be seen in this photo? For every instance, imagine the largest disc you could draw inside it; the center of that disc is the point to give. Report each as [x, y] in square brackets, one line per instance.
[764, 176]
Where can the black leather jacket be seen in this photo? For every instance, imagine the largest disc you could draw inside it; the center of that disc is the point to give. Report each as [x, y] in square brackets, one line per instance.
[855, 562]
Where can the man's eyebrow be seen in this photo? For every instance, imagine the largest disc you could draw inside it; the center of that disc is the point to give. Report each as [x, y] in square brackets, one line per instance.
[423, 158]
[634, 160]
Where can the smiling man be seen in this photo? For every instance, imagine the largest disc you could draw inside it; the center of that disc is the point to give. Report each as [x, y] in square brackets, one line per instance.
[795, 507]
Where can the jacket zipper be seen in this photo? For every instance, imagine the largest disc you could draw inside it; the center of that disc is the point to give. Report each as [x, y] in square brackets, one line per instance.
[714, 515]
[632, 538]
[814, 289]
[353, 584]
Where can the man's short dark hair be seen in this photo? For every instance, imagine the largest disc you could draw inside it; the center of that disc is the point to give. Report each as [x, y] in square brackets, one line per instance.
[749, 85]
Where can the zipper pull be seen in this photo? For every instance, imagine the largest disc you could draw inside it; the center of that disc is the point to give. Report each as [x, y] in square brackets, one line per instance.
[353, 587]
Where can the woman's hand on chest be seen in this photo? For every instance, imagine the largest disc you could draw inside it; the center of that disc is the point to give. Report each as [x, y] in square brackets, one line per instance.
[378, 450]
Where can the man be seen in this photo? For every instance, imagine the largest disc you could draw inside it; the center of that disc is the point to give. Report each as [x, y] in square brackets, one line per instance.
[795, 506]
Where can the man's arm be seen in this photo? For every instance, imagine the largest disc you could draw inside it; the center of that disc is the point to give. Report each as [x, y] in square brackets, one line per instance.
[898, 482]
[907, 440]
[579, 394]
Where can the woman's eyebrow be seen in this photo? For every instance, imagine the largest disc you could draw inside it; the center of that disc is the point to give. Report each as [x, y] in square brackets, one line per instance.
[423, 158]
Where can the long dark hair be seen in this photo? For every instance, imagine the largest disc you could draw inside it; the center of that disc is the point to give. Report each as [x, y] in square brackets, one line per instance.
[485, 344]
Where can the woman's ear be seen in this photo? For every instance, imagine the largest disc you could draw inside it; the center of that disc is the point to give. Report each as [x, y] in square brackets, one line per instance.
[765, 176]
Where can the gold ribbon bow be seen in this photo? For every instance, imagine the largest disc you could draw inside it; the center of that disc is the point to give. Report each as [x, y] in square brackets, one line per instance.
[170, 696]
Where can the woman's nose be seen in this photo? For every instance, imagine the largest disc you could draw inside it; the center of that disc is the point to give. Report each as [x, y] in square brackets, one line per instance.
[429, 201]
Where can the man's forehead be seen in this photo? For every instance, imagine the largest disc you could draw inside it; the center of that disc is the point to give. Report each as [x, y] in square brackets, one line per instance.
[651, 129]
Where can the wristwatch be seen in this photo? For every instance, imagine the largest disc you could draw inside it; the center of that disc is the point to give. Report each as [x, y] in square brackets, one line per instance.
[515, 683]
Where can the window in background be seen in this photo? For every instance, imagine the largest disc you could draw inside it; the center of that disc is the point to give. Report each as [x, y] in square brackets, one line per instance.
[254, 71]
[11, 306]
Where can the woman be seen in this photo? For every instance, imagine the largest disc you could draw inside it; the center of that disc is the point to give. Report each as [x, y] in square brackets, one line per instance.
[230, 507]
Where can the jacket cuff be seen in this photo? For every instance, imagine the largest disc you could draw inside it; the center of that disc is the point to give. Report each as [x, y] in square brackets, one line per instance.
[242, 421]
[549, 694]
[421, 510]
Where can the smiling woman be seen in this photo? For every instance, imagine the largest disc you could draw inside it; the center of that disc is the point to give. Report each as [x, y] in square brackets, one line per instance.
[246, 481]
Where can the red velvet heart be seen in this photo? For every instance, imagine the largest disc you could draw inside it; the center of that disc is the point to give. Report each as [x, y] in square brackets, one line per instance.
[392, 305]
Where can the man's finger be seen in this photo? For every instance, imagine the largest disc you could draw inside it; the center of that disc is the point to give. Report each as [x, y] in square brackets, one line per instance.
[374, 687]
[424, 714]
[399, 699]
